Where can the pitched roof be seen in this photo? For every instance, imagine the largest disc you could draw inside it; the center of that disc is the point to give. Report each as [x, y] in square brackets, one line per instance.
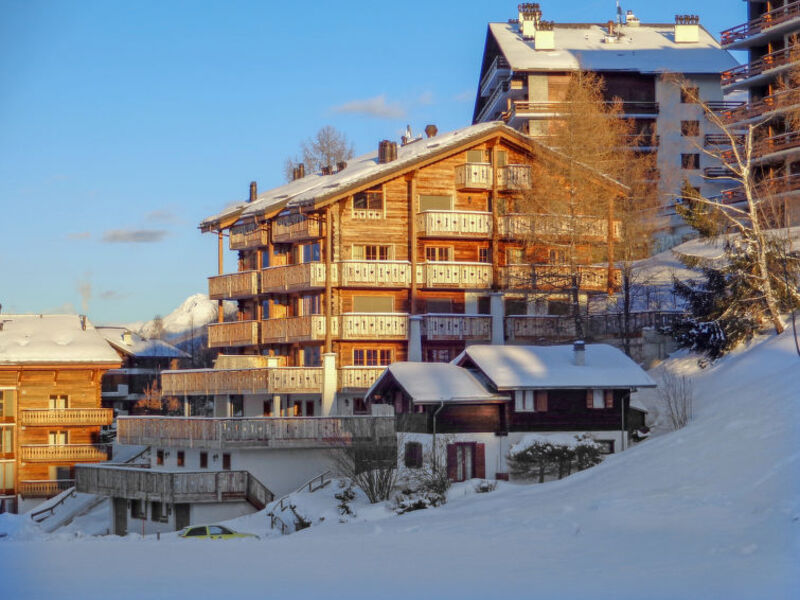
[549, 367]
[136, 345]
[52, 339]
[648, 48]
[433, 383]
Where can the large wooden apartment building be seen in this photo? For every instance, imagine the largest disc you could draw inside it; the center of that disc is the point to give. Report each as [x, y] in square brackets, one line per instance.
[50, 414]
[406, 254]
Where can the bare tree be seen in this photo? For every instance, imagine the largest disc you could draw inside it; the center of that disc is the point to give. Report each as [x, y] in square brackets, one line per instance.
[677, 396]
[327, 147]
[370, 463]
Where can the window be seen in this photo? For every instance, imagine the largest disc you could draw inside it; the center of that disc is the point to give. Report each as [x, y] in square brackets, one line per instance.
[267, 412]
[598, 399]
[690, 161]
[439, 355]
[432, 202]
[484, 305]
[8, 403]
[372, 357]
[310, 252]
[264, 258]
[483, 255]
[372, 252]
[6, 440]
[297, 408]
[181, 458]
[690, 128]
[312, 356]
[309, 408]
[359, 406]
[690, 95]
[226, 462]
[311, 304]
[265, 309]
[196, 532]
[159, 457]
[476, 156]
[373, 304]
[158, 512]
[204, 460]
[516, 306]
[58, 438]
[58, 402]
[138, 509]
[438, 253]
[439, 305]
[502, 158]
[413, 455]
[524, 401]
[557, 257]
[236, 402]
[368, 205]
[515, 256]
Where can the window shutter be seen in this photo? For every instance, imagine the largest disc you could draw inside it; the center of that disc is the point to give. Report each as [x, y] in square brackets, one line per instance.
[358, 252]
[432, 202]
[541, 400]
[480, 461]
[452, 458]
[475, 156]
[609, 398]
[589, 399]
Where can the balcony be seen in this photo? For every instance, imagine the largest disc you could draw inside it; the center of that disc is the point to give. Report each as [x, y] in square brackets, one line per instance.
[474, 176]
[358, 378]
[234, 285]
[295, 329]
[769, 188]
[295, 228]
[292, 278]
[64, 452]
[172, 488]
[523, 226]
[374, 326]
[373, 273]
[259, 432]
[455, 275]
[453, 223]
[777, 143]
[557, 277]
[274, 380]
[45, 488]
[231, 334]
[498, 69]
[774, 103]
[514, 177]
[66, 417]
[248, 236]
[768, 62]
[554, 328]
[526, 109]
[771, 20]
[456, 327]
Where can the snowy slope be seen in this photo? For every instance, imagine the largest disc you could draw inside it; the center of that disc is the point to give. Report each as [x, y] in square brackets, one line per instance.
[711, 511]
[197, 311]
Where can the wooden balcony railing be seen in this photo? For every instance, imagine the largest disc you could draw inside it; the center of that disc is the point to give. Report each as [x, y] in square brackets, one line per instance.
[531, 328]
[514, 177]
[550, 277]
[294, 228]
[234, 285]
[779, 101]
[499, 66]
[64, 452]
[358, 378]
[523, 107]
[474, 176]
[373, 273]
[248, 236]
[777, 143]
[373, 326]
[455, 275]
[765, 189]
[522, 226]
[454, 223]
[273, 432]
[766, 21]
[292, 278]
[172, 488]
[274, 380]
[295, 329]
[44, 488]
[66, 416]
[456, 327]
[766, 63]
[234, 333]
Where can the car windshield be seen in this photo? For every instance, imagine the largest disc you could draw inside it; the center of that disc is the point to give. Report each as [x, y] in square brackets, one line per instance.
[195, 531]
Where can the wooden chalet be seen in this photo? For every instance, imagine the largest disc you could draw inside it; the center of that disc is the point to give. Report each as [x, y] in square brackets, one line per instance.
[489, 397]
[50, 411]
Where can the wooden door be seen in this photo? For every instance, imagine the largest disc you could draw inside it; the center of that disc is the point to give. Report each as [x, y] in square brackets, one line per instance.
[181, 516]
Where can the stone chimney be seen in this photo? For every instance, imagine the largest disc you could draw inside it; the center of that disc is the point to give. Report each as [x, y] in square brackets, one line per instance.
[127, 338]
[545, 37]
[431, 130]
[387, 151]
[687, 29]
[529, 15]
[253, 191]
[579, 353]
[326, 170]
[341, 165]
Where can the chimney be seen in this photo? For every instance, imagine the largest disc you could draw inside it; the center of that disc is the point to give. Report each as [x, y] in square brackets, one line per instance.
[83, 321]
[387, 151]
[431, 130]
[687, 29]
[341, 165]
[253, 191]
[127, 338]
[544, 38]
[301, 171]
[579, 352]
[631, 20]
[326, 170]
[529, 16]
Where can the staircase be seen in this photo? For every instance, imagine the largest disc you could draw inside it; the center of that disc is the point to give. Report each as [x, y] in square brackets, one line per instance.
[278, 518]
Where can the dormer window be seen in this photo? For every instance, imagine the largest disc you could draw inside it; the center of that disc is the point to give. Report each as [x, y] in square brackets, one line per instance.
[368, 205]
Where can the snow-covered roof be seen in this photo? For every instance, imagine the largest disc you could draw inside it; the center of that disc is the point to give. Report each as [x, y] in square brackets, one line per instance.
[549, 367]
[648, 48]
[52, 339]
[433, 383]
[133, 344]
[316, 187]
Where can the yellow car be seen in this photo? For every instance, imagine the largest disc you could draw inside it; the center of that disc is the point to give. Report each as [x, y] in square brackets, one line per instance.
[213, 532]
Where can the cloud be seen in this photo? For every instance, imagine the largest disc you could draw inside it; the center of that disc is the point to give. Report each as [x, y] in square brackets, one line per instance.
[111, 295]
[79, 235]
[464, 96]
[376, 107]
[425, 98]
[162, 216]
[133, 236]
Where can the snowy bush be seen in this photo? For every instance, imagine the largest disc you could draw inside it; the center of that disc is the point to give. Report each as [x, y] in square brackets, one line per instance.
[537, 456]
[677, 396]
[345, 497]
[409, 500]
[484, 487]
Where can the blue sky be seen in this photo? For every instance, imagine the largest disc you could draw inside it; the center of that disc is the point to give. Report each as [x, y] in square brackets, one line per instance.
[123, 124]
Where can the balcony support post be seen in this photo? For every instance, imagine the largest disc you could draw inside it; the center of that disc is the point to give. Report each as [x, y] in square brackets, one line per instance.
[220, 271]
[328, 278]
[329, 382]
[415, 338]
[495, 228]
[412, 244]
[497, 312]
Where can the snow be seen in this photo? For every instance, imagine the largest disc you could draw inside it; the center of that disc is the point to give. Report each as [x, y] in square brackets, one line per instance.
[648, 49]
[514, 367]
[196, 312]
[51, 339]
[436, 382]
[133, 344]
[568, 440]
[709, 511]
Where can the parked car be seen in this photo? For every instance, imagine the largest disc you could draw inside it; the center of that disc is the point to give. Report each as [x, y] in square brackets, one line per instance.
[213, 532]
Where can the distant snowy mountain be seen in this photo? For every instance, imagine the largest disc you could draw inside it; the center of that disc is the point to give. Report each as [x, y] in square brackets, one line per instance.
[196, 312]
